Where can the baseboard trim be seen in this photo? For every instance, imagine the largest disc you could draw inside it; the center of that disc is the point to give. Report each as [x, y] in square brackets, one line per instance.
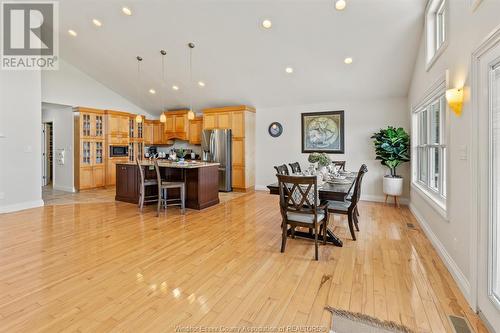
[381, 198]
[450, 264]
[21, 206]
[64, 188]
[261, 188]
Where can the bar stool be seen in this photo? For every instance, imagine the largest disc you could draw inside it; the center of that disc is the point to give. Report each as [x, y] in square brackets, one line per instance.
[163, 187]
[142, 187]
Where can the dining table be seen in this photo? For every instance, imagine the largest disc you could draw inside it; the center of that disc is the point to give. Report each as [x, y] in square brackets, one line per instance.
[336, 190]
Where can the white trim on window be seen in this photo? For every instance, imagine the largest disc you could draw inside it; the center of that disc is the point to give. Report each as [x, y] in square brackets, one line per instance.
[436, 30]
[428, 141]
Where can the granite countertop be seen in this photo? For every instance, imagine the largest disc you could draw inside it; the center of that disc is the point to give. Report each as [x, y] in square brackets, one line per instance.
[170, 164]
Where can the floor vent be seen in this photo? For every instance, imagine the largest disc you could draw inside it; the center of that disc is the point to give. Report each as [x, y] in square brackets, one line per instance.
[459, 324]
[410, 225]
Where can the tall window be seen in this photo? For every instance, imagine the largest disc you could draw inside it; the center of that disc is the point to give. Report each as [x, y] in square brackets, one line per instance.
[435, 25]
[440, 22]
[430, 149]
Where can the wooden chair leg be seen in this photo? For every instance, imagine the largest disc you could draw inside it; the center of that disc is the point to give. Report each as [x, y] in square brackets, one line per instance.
[292, 231]
[142, 195]
[183, 199]
[355, 217]
[316, 241]
[325, 228]
[283, 235]
[159, 202]
[357, 211]
[386, 196]
[351, 226]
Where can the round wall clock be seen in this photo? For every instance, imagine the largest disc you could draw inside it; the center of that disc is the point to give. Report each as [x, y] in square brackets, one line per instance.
[275, 129]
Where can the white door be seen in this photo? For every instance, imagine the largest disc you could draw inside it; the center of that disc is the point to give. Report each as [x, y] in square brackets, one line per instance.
[488, 286]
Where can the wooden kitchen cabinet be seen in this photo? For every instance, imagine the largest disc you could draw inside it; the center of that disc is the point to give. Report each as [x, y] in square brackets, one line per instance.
[241, 120]
[195, 129]
[177, 124]
[127, 187]
[117, 127]
[148, 132]
[217, 120]
[90, 150]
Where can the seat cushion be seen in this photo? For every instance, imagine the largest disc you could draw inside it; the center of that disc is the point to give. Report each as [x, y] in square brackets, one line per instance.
[166, 184]
[304, 218]
[342, 206]
[148, 182]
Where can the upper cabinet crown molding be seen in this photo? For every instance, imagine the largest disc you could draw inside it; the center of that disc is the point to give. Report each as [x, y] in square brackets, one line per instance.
[230, 109]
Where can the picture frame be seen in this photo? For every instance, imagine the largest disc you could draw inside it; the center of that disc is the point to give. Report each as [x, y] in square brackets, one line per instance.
[323, 132]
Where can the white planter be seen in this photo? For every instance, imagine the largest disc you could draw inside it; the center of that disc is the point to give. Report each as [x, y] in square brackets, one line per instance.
[393, 186]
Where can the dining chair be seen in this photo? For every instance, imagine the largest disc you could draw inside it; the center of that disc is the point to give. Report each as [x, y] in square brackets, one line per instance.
[349, 208]
[300, 207]
[295, 166]
[340, 164]
[142, 187]
[163, 187]
[282, 169]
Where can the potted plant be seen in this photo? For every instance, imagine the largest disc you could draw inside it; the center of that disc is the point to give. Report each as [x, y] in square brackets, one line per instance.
[392, 147]
[322, 159]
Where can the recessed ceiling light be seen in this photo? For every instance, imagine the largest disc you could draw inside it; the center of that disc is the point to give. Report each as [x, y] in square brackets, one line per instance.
[201, 83]
[348, 61]
[289, 70]
[267, 24]
[72, 33]
[127, 11]
[175, 87]
[97, 23]
[340, 4]
[152, 91]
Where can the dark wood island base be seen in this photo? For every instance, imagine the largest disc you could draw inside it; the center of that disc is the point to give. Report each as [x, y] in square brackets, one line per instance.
[201, 179]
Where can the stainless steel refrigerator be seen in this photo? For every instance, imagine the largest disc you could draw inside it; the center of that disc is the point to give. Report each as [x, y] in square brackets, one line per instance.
[216, 147]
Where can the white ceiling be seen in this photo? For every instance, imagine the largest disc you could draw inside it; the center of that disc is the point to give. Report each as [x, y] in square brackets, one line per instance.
[240, 62]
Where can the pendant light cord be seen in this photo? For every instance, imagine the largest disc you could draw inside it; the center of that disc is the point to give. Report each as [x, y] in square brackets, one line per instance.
[191, 47]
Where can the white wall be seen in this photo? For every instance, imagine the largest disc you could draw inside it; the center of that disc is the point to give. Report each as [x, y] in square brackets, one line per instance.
[62, 129]
[70, 86]
[20, 140]
[451, 237]
[362, 119]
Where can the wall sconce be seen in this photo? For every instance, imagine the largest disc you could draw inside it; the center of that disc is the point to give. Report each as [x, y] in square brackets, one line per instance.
[163, 118]
[138, 119]
[455, 98]
[191, 115]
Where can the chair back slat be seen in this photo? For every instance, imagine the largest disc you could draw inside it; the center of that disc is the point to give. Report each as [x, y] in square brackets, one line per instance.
[295, 166]
[298, 194]
[158, 174]
[356, 194]
[282, 169]
[141, 171]
[340, 164]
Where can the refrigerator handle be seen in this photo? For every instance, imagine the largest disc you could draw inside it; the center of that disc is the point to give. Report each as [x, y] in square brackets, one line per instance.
[212, 146]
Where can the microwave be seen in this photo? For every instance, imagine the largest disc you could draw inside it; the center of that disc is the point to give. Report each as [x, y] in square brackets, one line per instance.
[118, 151]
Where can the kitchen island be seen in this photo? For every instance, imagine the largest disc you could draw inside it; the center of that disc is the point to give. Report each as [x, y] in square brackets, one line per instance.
[201, 179]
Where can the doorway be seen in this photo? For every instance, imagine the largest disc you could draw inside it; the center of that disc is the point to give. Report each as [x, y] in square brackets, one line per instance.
[487, 95]
[47, 153]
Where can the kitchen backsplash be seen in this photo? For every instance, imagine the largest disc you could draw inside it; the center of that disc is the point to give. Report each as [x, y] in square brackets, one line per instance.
[178, 144]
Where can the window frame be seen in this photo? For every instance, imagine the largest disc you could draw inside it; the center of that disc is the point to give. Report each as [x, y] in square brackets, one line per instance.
[436, 197]
[435, 13]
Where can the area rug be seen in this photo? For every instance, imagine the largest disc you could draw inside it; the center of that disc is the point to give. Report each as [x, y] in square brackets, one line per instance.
[350, 322]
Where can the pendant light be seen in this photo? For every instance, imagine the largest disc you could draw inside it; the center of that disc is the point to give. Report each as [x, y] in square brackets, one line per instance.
[190, 112]
[163, 117]
[138, 118]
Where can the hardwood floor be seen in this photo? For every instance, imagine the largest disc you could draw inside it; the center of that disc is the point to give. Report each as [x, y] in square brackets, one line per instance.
[100, 267]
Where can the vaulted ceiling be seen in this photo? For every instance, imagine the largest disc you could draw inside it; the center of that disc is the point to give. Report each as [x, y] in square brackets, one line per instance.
[239, 61]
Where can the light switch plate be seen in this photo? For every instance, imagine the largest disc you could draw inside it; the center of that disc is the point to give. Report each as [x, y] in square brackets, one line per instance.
[462, 153]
